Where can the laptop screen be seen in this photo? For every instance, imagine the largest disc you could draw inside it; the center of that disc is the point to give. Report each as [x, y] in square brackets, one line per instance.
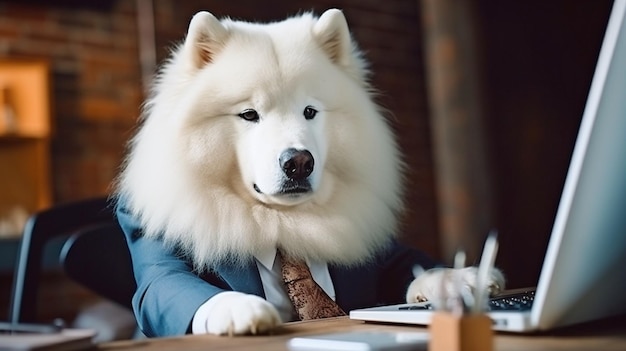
[582, 276]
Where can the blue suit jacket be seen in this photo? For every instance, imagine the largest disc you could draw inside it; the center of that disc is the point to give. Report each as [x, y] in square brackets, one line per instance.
[169, 291]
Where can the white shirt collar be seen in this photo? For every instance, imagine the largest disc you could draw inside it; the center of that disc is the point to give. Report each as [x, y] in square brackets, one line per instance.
[267, 258]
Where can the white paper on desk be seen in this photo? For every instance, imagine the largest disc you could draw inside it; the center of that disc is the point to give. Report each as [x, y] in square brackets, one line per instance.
[65, 340]
[361, 341]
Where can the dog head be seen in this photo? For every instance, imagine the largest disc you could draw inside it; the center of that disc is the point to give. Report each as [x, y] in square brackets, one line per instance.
[278, 92]
[269, 131]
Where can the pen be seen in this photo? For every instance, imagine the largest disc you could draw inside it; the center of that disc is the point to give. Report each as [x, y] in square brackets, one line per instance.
[487, 261]
[458, 302]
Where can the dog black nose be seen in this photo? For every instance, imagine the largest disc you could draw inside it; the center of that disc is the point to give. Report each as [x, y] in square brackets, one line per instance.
[297, 164]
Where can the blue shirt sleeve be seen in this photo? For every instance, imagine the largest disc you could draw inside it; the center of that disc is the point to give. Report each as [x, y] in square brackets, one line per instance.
[168, 291]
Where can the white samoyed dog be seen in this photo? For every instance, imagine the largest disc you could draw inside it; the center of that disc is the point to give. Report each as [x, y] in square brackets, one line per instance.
[260, 136]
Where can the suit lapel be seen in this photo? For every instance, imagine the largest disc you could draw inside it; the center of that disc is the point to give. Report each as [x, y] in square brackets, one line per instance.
[354, 287]
[245, 279]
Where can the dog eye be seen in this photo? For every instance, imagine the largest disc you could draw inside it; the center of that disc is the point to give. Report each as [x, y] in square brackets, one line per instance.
[249, 115]
[309, 112]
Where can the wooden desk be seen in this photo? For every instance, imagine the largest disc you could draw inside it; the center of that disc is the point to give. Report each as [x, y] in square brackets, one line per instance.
[605, 335]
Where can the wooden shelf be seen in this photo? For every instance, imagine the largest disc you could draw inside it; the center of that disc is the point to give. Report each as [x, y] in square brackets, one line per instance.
[25, 89]
[25, 131]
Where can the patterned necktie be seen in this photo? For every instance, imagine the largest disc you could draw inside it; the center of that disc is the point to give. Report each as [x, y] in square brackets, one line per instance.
[308, 298]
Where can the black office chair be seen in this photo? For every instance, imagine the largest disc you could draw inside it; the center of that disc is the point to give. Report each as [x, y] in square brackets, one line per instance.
[97, 257]
[95, 254]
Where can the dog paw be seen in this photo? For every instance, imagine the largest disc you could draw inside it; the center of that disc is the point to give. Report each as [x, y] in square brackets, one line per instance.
[234, 313]
[438, 283]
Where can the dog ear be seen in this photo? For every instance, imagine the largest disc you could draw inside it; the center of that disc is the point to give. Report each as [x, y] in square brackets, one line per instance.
[205, 37]
[331, 31]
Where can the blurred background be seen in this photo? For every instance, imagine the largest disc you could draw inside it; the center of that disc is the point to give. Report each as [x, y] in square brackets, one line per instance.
[485, 96]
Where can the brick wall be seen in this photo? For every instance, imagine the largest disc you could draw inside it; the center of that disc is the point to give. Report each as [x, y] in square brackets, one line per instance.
[95, 83]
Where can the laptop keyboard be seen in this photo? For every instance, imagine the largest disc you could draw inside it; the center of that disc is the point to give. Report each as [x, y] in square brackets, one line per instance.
[518, 302]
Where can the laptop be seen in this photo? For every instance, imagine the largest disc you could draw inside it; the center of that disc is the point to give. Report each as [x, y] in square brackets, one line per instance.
[582, 277]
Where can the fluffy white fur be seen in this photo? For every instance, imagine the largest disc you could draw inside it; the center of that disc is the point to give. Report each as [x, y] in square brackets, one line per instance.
[200, 176]
[193, 163]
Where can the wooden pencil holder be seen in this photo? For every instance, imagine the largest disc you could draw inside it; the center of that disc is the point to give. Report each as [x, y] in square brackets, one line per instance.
[468, 332]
